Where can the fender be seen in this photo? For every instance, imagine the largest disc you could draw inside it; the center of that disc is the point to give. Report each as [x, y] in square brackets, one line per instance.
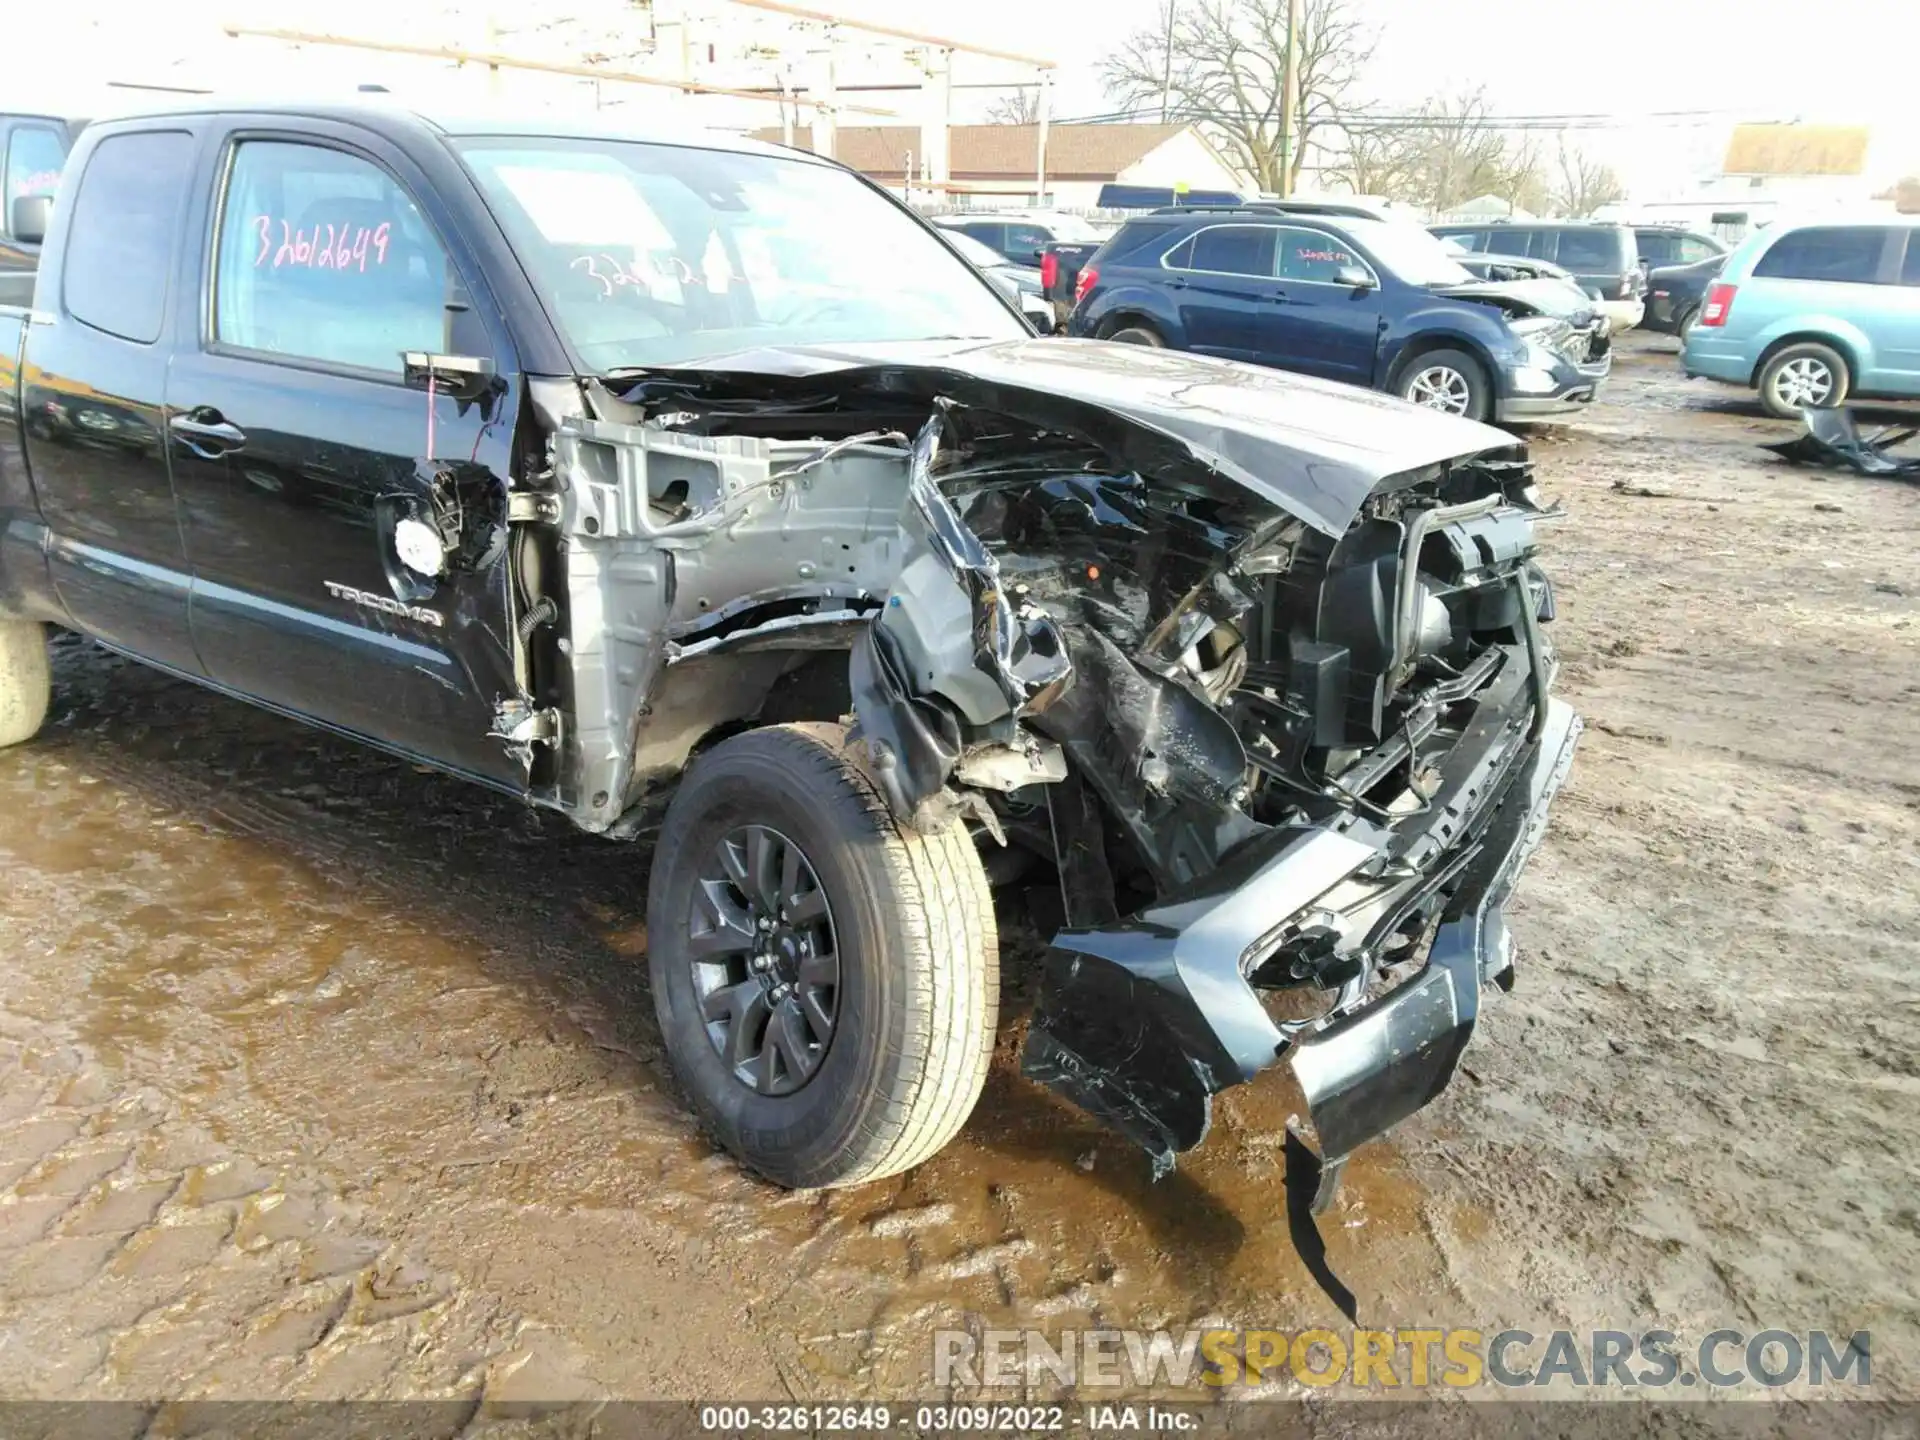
[1146, 300]
[1846, 337]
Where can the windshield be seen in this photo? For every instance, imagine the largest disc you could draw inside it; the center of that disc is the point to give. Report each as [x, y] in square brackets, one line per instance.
[658, 255]
[1417, 257]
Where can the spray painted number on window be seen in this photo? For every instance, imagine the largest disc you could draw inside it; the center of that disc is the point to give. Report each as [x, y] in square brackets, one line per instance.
[325, 247]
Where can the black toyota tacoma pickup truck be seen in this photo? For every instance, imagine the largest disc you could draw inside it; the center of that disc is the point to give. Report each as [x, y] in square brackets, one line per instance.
[697, 491]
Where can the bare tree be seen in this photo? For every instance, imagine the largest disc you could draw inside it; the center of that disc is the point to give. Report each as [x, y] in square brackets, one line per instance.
[1447, 151]
[1221, 64]
[1371, 160]
[1584, 184]
[1022, 107]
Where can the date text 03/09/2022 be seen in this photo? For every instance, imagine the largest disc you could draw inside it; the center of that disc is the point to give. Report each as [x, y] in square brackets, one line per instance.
[979, 1418]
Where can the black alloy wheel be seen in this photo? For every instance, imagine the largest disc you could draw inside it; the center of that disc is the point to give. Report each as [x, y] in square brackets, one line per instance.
[766, 966]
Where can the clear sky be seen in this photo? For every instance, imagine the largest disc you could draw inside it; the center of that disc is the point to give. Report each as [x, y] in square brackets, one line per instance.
[1628, 61]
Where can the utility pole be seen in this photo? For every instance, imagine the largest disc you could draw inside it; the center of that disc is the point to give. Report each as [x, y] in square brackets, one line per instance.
[1040, 158]
[1166, 75]
[1289, 99]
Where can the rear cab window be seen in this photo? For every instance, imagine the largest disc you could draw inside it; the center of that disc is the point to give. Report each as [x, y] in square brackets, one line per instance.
[322, 256]
[126, 218]
[1837, 254]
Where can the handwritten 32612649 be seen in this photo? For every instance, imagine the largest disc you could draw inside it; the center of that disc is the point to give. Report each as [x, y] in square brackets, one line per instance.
[326, 247]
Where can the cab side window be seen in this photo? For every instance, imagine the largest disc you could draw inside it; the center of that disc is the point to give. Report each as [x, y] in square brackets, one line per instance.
[1507, 241]
[1023, 241]
[34, 156]
[322, 256]
[1910, 271]
[1315, 256]
[1693, 250]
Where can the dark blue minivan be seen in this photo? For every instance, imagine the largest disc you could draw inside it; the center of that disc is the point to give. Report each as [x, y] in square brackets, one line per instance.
[1370, 302]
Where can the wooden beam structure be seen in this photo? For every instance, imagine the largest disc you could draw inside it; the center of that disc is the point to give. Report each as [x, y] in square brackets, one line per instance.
[510, 62]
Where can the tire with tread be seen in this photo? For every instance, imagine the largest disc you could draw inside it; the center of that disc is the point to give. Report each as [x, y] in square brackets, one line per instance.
[1479, 389]
[1811, 354]
[1139, 335]
[914, 927]
[26, 680]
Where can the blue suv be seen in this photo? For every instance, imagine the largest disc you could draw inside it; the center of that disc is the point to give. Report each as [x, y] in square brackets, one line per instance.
[1371, 302]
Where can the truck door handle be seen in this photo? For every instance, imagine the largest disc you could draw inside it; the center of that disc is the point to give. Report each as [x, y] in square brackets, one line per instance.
[206, 432]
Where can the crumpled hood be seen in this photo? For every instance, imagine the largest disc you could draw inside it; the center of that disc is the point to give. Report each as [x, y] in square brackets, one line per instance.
[1561, 299]
[1315, 448]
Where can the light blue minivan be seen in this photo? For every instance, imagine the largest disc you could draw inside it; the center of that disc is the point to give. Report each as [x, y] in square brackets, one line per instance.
[1814, 314]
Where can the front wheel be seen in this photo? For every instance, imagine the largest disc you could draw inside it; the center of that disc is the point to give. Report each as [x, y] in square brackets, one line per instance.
[1806, 376]
[1449, 380]
[1139, 335]
[826, 980]
[26, 680]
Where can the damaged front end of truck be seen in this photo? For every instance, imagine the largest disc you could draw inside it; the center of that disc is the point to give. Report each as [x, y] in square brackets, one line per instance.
[1255, 664]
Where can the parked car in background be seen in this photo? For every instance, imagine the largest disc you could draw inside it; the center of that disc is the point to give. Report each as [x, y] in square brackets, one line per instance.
[1369, 302]
[1669, 245]
[1060, 263]
[1020, 282]
[1514, 267]
[1020, 236]
[1054, 243]
[1814, 314]
[1604, 259]
[33, 150]
[1676, 292]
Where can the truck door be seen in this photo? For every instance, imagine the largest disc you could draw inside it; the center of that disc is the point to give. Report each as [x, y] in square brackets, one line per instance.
[298, 451]
[92, 390]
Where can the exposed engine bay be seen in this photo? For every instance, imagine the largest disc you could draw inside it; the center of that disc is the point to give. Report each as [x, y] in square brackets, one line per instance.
[1273, 707]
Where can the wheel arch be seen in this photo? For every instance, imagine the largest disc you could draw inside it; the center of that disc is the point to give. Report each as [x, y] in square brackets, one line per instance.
[1425, 342]
[1843, 339]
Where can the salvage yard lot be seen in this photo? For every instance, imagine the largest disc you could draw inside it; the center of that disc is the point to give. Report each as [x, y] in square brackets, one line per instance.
[326, 1077]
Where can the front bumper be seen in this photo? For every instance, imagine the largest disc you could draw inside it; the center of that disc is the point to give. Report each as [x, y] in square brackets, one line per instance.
[1140, 1025]
[1575, 388]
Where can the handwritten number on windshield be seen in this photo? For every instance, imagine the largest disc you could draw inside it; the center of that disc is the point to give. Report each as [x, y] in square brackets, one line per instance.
[612, 273]
[341, 247]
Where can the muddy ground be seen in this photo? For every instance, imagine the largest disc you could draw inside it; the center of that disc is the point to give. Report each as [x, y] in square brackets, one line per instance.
[321, 1076]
